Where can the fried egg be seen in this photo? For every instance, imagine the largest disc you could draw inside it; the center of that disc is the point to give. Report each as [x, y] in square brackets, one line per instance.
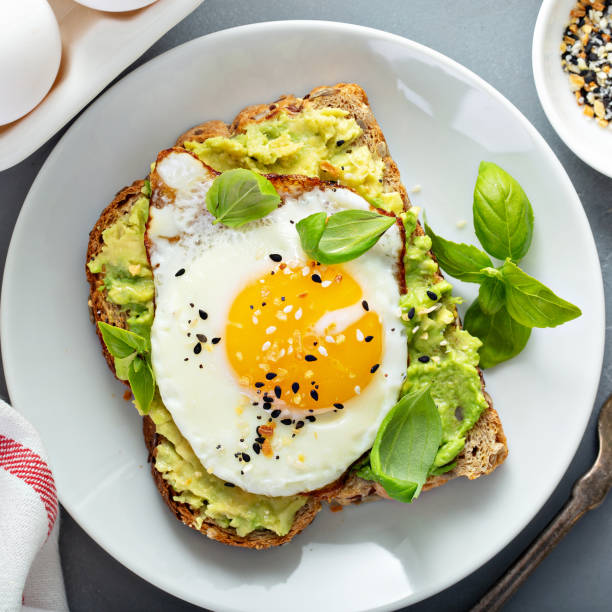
[276, 369]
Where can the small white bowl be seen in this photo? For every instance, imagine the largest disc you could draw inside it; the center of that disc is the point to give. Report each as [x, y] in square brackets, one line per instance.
[115, 6]
[589, 141]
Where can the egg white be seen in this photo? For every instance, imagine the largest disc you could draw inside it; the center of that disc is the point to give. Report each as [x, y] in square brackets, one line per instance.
[213, 412]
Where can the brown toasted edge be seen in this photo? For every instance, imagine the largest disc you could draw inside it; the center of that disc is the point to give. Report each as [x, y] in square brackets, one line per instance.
[99, 308]
[487, 433]
[258, 539]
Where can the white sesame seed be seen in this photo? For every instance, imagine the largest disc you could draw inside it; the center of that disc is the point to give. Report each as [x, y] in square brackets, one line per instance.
[443, 342]
[329, 339]
[416, 189]
[461, 223]
[290, 350]
[359, 335]
[305, 271]
[415, 329]
[288, 308]
[298, 314]
[255, 320]
[266, 345]
[357, 389]
[270, 330]
[282, 353]
[323, 351]
[326, 283]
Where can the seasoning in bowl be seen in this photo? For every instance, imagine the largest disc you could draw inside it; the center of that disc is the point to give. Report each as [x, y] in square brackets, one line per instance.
[586, 55]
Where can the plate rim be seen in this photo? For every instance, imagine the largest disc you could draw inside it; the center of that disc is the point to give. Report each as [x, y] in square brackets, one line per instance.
[545, 98]
[11, 272]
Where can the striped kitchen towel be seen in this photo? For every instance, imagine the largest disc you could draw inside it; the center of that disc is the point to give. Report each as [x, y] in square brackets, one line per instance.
[30, 570]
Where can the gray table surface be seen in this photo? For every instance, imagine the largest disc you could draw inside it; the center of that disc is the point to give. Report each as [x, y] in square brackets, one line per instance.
[492, 38]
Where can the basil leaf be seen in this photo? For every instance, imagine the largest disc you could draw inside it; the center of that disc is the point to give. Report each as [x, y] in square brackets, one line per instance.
[121, 342]
[239, 196]
[347, 234]
[463, 261]
[533, 304]
[502, 337]
[491, 295]
[406, 445]
[310, 229]
[503, 217]
[142, 381]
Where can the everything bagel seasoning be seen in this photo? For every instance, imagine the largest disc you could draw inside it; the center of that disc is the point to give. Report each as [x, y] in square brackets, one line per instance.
[586, 55]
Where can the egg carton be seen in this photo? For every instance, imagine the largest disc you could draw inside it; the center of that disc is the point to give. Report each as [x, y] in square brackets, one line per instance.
[96, 47]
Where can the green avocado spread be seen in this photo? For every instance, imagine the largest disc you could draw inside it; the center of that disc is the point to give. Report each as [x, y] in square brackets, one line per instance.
[316, 143]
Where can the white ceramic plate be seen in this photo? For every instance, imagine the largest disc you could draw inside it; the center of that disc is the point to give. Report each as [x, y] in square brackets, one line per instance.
[440, 120]
[590, 142]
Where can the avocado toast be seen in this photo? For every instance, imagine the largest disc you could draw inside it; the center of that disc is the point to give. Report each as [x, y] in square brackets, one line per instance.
[337, 140]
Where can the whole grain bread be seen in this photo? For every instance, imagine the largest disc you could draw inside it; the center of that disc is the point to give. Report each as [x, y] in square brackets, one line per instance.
[485, 447]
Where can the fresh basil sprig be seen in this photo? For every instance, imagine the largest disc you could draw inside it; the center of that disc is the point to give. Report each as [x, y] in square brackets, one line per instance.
[239, 196]
[510, 302]
[343, 236]
[123, 344]
[503, 217]
[405, 446]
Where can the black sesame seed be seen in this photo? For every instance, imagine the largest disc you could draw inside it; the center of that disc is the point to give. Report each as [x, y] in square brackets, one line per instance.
[201, 366]
[216, 340]
[180, 272]
[295, 387]
[316, 278]
[246, 457]
[266, 405]
[314, 395]
[242, 439]
[310, 358]
[255, 403]
[339, 406]
[423, 358]
[260, 439]
[311, 418]
[276, 257]
[369, 338]
[256, 448]
[259, 385]
[186, 359]
[277, 457]
[191, 304]
[411, 313]
[218, 447]
[275, 413]
[432, 296]
[201, 337]
[197, 349]
[286, 421]
[277, 391]
[365, 305]
[299, 425]
[374, 368]
[229, 484]
[263, 304]
[339, 143]
[203, 314]
[270, 375]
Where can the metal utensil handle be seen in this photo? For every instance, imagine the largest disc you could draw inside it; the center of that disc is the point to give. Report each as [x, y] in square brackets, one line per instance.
[530, 559]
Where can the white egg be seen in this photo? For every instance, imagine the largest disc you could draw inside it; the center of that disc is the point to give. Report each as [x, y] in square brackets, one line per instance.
[115, 6]
[225, 367]
[30, 53]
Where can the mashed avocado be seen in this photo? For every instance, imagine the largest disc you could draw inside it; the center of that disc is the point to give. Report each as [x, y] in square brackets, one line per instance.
[441, 354]
[127, 276]
[228, 506]
[317, 143]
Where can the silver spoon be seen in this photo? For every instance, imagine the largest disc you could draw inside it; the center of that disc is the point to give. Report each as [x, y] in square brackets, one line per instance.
[588, 493]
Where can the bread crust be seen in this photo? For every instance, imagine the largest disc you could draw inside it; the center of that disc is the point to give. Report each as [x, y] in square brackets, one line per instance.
[486, 445]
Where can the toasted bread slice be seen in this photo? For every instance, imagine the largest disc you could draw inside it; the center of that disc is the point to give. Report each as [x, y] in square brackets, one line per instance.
[486, 446]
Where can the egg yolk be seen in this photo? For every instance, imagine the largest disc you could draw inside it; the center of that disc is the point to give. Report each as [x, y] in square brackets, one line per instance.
[304, 337]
